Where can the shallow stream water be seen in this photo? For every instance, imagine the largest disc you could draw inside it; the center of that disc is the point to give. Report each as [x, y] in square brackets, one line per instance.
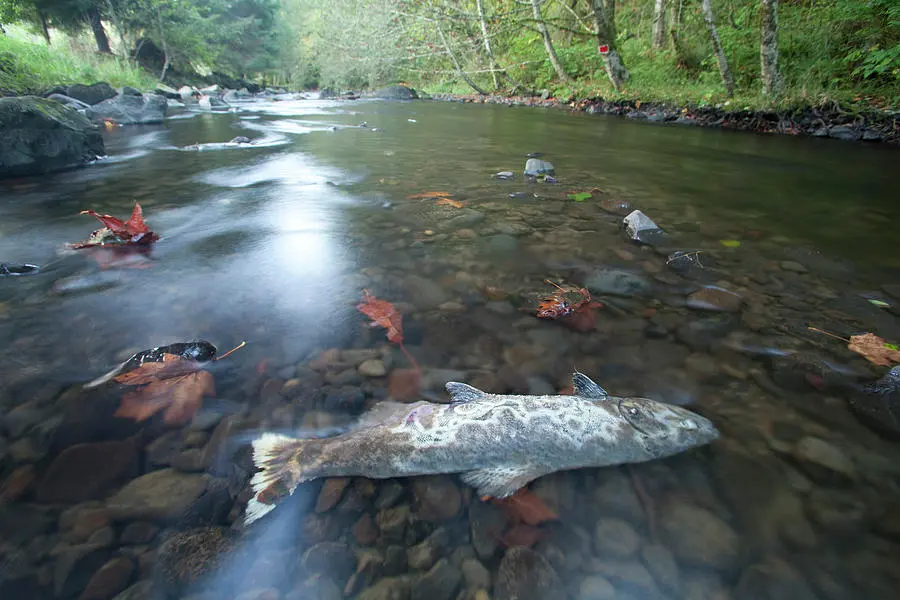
[273, 242]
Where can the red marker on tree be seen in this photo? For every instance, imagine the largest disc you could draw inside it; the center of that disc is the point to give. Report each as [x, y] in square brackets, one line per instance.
[604, 49]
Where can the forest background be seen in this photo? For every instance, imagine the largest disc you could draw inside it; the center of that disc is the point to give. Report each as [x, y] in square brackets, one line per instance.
[738, 53]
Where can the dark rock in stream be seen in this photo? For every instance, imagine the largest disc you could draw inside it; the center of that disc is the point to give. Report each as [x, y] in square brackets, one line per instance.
[88, 471]
[189, 558]
[41, 135]
[395, 92]
[617, 282]
[91, 94]
[127, 109]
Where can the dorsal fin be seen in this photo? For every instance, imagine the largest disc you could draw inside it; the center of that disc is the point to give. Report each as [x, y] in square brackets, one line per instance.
[460, 392]
[586, 388]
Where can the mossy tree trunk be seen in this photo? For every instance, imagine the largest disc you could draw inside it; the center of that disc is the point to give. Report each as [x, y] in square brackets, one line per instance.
[768, 49]
[605, 19]
[724, 70]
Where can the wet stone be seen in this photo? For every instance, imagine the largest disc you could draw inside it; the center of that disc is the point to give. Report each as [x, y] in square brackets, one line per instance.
[389, 588]
[364, 531]
[823, 461]
[536, 166]
[332, 559]
[189, 557]
[713, 298]
[422, 556]
[331, 493]
[139, 532]
[698, 537]
[475, 574]
[392, 523]
[437, 498]
[439, 583]
[526, 575]
[395, 560]
[617, 282]
[316, 587]
[772, 579]
[87, 522]
[158, 496]
[662, 566]
[112, 578]
[142, 590]
[837, 510]
[596, 587]
[372, 368]
[792, 266]
[615, 538]
[74, 568]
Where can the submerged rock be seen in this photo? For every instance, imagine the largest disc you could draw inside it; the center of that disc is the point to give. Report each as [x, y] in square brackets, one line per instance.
[698, 537]
[526, 575]
[617, 282]
[715, 299]
[41, 135]
[641, 228]
[189, 557]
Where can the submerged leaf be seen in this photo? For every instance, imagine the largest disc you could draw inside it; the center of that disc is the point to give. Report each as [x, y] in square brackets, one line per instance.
[450, 202]
[875, 349]
[730, 243]
[429, 195]
[383, 314]
[176, 385]
[580, 196]
[526, 507]
[879, 303]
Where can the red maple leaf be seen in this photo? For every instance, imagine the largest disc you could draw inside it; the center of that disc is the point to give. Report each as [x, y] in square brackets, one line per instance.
[133, 231]
[383, 314]
[572, 306]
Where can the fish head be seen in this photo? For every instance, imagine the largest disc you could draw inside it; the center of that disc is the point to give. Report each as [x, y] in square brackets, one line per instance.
[664, 429]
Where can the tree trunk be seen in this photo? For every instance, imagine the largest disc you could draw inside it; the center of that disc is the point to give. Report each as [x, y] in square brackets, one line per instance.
[165, 47]
[548, 42]
[724, 71]
[93, 17]
[479, 5]
[659, 25]
[456, 64]
[605, 17]
[45, 29]
[768, 49]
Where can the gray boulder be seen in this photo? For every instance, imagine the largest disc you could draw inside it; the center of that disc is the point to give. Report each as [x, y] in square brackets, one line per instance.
[78, 105]
[395, 92]
[91, 94]
[127, 109]
[41, 135]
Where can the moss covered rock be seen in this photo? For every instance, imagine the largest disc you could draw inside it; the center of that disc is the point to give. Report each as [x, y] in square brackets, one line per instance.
[39, 135]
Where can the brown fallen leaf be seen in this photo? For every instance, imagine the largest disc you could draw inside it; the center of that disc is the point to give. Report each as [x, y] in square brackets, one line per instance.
[450, 202]
[523, 535]
[526, 507]
[875, 349]
[176, 385]
[429, 195]
[16, 484]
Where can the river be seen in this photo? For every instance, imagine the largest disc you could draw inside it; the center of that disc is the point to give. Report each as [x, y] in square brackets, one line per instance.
[273, 243]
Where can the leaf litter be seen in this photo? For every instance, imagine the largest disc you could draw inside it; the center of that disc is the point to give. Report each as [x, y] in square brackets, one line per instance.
[169, 379]
[403, 384]
[875, 349]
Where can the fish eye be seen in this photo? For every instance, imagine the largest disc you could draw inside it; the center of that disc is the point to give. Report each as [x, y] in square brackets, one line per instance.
[639, 418]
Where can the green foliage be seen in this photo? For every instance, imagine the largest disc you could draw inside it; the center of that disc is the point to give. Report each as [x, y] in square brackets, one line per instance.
[28, 67]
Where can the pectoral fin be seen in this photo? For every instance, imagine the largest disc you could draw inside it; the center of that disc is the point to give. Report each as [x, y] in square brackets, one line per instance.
[585, 387]
[460, 392]
[500, 482]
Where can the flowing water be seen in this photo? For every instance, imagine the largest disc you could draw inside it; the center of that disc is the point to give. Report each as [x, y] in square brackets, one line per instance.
[273, 243]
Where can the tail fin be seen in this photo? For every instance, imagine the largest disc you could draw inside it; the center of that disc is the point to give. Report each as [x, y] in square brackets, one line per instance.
[277, 456]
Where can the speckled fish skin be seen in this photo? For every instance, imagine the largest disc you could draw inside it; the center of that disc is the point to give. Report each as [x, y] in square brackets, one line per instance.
[498, 443]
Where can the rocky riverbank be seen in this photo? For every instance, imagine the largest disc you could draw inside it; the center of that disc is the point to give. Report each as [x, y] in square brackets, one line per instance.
[823, 122]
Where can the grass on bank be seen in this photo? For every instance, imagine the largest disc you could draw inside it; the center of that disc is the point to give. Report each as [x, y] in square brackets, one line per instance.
[655, 77]
[31, 67]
